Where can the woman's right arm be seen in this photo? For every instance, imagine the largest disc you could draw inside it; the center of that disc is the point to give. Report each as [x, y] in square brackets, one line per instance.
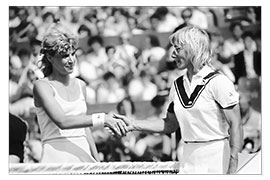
[166, 125]
[44, 97]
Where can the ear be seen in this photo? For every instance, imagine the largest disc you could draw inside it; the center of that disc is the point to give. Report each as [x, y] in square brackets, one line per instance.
[49, 57]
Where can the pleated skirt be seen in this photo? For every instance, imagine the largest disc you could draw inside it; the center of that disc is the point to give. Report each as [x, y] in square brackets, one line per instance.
[205, 158]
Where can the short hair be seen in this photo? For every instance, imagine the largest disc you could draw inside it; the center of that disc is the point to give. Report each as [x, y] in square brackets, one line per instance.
[57, 40]
[108, 75]
[120, 106]
[24, 52]
[107, 48]
[34, 42]
[233, 25]
[196, 43]
[187, 10]
[46, 15]
[84, 28]
[95, 39]
[248, 34]
[154, 41]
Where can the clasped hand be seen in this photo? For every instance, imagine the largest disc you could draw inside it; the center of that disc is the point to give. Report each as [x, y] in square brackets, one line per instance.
[118, 124]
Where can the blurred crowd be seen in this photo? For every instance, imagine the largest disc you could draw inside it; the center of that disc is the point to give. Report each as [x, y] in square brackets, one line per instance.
[123, 73]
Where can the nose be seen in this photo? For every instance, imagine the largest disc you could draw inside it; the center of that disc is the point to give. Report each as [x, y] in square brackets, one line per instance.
[173, 54]
[71, 59]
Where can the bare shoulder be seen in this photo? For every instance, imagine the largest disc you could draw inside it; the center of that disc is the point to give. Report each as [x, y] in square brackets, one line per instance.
[82, 83]
[41, 86]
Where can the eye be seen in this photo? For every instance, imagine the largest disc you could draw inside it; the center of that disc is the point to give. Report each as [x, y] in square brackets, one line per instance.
[74, 52]
[65, 55]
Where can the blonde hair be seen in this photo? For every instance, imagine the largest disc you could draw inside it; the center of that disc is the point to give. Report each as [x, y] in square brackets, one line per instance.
[57, 40]
[196, 44]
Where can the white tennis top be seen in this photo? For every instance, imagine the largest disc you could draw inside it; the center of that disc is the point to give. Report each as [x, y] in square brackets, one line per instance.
[49, 130]
[201, 119]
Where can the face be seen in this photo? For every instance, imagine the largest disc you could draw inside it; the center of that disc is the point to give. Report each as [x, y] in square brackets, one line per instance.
[248, 43]
[237, 32]
[64, 64]
[180, 58]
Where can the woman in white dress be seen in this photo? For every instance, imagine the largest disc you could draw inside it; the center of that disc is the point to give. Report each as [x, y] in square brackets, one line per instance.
[61, 105]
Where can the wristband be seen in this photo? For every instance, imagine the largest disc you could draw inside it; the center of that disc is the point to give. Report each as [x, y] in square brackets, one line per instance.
[98, 120]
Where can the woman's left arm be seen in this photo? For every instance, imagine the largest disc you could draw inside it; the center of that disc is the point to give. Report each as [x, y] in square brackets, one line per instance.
[92, 144]
[236, 135]
[89, 135]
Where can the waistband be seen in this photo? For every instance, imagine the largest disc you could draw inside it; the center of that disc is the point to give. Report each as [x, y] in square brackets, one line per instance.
[213, 140]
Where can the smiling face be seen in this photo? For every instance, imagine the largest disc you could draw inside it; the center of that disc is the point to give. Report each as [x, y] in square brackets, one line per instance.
[58, 48]
[64, 64]
[191, 48]
[180, 56]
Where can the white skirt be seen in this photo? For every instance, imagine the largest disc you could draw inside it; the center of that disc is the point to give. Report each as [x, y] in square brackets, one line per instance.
[205, 158]
[67, 150]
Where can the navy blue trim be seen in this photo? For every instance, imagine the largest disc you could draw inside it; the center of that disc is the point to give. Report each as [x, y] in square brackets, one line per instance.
[170, 108]
[189, 102]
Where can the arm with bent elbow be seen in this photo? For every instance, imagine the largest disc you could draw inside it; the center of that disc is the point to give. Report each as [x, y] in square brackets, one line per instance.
[43, 97]
[236, 135]
[166, 125]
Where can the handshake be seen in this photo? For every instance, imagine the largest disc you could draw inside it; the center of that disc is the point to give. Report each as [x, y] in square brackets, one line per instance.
[118, 124]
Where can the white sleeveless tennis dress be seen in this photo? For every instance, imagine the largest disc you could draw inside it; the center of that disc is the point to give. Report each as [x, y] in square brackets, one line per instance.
[64, 146]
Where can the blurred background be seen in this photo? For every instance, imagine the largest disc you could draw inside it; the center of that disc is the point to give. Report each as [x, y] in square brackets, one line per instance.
[124, 58]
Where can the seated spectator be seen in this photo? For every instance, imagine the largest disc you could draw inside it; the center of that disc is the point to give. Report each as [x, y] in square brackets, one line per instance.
[251, 120]
[216, 47]
[247, 63]
[115, 64]
[199, 17]
[84, 32]
[126, 51]
[186, 15]
[134, 26]
[17, 137]
[142, 88]
[152, 53]
[109, 91]
[48, 18]
[167, 22]
[97, 55]
[116, 23]
[234, 44]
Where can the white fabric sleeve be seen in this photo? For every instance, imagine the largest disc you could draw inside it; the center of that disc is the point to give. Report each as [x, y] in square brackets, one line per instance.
[172, 93]
[223, 91]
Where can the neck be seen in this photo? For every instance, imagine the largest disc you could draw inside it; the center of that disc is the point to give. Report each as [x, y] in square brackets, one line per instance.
[190, 73]
[65, 79]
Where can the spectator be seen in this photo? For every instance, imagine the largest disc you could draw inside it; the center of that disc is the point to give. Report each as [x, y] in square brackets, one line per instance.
[84, 32]
[48, 18]
[153, 53]
[234, 44]
[199, 18]
[251, 120]
[126, 51]
[110, 91]
[247, 63]
[167, 22]
[17, 137]
[115, 64]
[97, 55]
[142, 88]
[116, 23]
[186, 15]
